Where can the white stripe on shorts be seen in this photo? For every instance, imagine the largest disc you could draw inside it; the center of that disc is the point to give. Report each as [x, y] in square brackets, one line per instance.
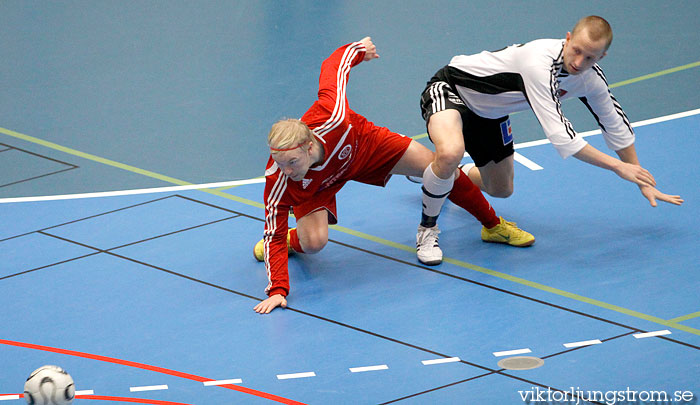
[439, 96]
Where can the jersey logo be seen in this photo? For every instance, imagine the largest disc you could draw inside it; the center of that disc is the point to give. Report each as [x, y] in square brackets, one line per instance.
[506, 132]
[561, 92]
[345, 152]
[305, 183]
[454, 99]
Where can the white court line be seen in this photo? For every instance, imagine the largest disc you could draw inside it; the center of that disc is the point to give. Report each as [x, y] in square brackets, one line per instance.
[8, 397]
[440, 361]
[262, 179]
[582, 343]
[652, 334]
[526, 162]
[85, 392]
[132, 192]
[223, 382]
[148, 388]
[368, 368]
[634, 125]
[511, 352]
[296, 375]
[522, 160]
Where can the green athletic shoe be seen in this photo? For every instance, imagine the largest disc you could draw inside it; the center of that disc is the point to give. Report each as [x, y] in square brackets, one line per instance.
[259, 249]
[507, 232]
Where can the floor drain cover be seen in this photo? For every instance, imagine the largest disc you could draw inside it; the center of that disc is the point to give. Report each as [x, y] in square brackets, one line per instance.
[521, 363]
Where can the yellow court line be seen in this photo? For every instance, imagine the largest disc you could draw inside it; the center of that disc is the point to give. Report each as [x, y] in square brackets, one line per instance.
[673, 323]
[542, 287]
[654, 75]
[622, 83]
[123, 166]
[685, 317]
[504, 276]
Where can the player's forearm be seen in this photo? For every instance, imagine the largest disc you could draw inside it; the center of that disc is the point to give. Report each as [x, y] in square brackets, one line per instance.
[595, 157]
[278, 273]
[628, 155]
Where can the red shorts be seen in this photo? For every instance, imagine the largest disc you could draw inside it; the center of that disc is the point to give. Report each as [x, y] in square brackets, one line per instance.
[378, 152]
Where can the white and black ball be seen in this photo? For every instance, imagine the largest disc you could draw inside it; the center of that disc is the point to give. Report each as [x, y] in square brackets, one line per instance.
[49, 385]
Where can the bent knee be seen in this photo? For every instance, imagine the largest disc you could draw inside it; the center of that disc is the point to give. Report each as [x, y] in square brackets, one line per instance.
[314, 243]
[449, 155]
[449, 159]
[503, 191]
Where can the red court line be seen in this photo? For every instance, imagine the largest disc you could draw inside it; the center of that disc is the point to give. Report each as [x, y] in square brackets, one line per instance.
[127, 399]
[157, 369]
[120, 399]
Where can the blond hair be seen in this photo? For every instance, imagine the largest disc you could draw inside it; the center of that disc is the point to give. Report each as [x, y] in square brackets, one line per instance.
[288, 134]
[596, 27]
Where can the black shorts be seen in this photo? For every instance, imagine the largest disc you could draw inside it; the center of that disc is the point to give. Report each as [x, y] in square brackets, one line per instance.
[485, 139]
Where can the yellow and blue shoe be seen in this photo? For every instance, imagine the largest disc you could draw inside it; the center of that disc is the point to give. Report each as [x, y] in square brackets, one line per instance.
[507, 232]
[259, 249]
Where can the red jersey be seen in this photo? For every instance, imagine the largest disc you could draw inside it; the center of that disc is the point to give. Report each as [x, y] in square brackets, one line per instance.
[350, 146]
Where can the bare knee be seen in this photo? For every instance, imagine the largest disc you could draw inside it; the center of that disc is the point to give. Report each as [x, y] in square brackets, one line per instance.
[314, 242]
[446, 161]
[497, 178]
[499, 190]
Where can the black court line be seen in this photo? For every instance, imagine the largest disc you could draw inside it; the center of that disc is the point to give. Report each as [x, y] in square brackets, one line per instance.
[38, 155]
[502, 290]
[48, 265]
[85, 218]
[41, 232]
[175, 232]
[10, 147]
[37, 177]
[238, 214]
[502, 371]
[108, 251]
[523, 296]
[190, 278]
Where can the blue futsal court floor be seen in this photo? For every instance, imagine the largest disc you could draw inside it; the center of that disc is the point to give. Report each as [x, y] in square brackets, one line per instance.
[148, 297]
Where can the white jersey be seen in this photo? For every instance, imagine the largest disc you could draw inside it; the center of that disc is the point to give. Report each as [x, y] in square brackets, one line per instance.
[531, 75]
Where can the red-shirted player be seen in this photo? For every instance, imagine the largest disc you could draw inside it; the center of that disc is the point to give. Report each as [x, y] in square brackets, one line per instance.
[312, 158]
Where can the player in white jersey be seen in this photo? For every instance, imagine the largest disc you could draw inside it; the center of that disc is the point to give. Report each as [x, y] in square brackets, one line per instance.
[467, 103]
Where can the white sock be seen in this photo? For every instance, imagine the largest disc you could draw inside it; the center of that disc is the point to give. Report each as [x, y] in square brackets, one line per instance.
[466, 167]
[435, 191]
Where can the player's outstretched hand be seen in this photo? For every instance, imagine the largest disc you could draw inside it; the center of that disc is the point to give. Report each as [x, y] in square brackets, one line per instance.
[266, 306]
[370, 49]
[636, 174]
[652, 194]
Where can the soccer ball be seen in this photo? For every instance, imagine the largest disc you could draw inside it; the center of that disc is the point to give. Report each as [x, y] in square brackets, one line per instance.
[49, 385]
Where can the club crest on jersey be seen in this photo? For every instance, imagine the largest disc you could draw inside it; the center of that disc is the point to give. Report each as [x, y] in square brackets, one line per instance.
[345, 152]
[506, 132]
[305, 183]
[561, 92]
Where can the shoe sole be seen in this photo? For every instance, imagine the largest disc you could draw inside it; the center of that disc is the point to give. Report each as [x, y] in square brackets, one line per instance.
[526, 244]
[409, 178]
[431, 263]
